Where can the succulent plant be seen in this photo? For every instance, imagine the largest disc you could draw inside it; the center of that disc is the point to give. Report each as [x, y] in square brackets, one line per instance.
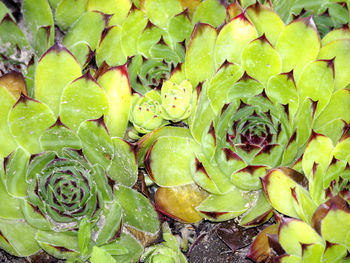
[294, 240]
[146, 112]
[317, 201]
[167, 251]
[176, 100]
[261, 89]
[66, 173]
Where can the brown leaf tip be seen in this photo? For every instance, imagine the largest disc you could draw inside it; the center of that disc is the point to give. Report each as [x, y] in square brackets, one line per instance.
[58, 123]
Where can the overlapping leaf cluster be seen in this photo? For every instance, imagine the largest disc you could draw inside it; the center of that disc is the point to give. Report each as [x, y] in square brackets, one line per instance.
[253, 90]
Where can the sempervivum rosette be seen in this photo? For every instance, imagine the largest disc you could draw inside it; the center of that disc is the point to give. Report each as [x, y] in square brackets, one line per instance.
[316, 202]
[66, 177]
[262, 87]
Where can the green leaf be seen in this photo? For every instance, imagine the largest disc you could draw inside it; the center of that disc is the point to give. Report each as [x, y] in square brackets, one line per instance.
[28, 120]
[331, 120]
[17, 37]
[212, 12]
[138, 211]
[37, 14]
[340, 49]
[248, 178]
[160, 11]
[209, 176]
[123, 168]
[224, 78]
[281, 89]
[115, 82]
[130, 33]
[112, 224]
[146, 141]
[319, 151]
[96, 143]
[34, 217]
[110, 49]
[84, 236]
[9, 206]
[266, 21]
[259, 213]
[293, 232]
[260, 60]
[233, 37]
[298, 44]
[199, 64]
[180, 28]
[7, 143]
[82, 99]
[68, 12]
[56, 68]
[317, 83]
[99, 255]
[87, 29]
[62, 245]
[224, 207]
[125, 249]
[168, 161]
[18, 237]
[149, 37]
[119, 9]
[4, 10]
[15, 173]
[277, 187]
[58, 137]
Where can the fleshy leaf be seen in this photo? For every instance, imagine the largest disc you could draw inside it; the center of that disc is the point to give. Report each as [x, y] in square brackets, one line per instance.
[146, 141]
[123, 168]
[212, 12]
[7, 143]
[99, 255]
[81, 100]
[272, 183]
[87, 29]
[119, 9]
[67, 12]
[130, 33]
[125, 242]
[110, 49]
[160, 11]
[179, 202]
[298, 44]
[11, 230]
[293, 232]
[56, 68]
[260, 60]
[138, 211]
[96, 143]
[63, 245]
[112, 223]
[340, 50]
[224, 207]
[58, 137]
[199, 64]
[233, 37]
[15, 172]
[28, 120]
[266, 21]
[115, 82]
[318, 151]
[38, 14]
[334, 129]
[317, 83]
[168, 161]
